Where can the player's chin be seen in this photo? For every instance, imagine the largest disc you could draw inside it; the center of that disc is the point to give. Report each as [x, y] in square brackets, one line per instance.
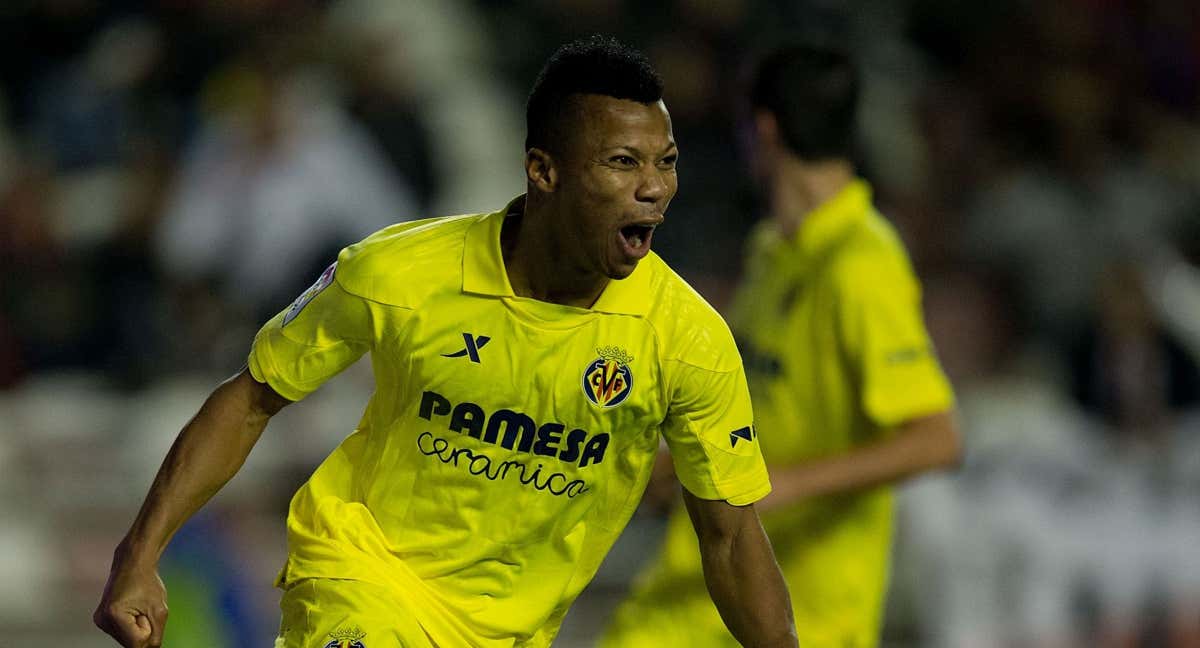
[621, 268]
[620, 264]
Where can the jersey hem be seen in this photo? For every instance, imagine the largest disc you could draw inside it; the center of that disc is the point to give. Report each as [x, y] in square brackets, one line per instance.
[916, 410]
[751, 496]
[270, 378]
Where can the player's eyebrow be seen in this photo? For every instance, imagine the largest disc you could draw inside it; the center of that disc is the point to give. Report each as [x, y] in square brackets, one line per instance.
[670, 149]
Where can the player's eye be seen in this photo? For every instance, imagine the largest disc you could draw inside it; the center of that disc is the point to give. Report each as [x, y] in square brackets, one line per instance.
[623, 160]
[668, 162]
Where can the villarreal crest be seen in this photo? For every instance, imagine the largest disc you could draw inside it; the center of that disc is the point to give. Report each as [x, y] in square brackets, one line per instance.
[608, 380]
[346, 638]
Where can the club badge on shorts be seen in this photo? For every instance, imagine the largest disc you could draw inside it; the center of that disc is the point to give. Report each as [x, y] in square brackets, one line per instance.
[607, 380]
[346, 638]
[322, 283]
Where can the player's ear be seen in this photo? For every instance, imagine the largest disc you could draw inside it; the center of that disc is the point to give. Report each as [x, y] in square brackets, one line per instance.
[540, 170]
[766, 129]
[768, 143]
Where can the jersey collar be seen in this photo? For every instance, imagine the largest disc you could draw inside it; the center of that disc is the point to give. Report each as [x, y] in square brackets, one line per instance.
[483, 263]
[825, 224]
[631, 295]
[484, 273]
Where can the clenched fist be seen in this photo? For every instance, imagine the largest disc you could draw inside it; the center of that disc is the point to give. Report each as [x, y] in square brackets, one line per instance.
[133, 608]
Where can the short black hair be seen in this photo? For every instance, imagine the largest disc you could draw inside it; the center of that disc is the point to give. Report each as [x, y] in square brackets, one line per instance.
[813, 93]
[599, 65]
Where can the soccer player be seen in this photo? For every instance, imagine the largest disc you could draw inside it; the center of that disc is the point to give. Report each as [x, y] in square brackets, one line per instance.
[849, 397]
[527, 362]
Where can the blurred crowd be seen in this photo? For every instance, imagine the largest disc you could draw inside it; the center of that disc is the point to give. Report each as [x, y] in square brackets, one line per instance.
[174, 172]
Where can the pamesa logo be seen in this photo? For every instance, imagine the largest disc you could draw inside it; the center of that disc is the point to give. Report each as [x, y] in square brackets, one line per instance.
[607, 380]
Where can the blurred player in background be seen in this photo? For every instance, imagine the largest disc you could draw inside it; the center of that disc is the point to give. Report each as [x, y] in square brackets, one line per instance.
[526, 363]
[848, 394]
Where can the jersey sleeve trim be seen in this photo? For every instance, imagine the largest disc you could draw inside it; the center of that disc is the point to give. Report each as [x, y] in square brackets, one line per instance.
[296, 357]
[750, 496]
[264, 372]
[740, 489]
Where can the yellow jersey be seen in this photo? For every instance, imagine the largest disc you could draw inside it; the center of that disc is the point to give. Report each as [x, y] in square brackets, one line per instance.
[508, 440]
[830, 327]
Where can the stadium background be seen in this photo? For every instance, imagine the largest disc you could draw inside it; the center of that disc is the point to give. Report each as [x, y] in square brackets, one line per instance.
[173, 172]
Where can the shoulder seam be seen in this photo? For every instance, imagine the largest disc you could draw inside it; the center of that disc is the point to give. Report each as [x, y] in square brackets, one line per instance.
[368, 299]
[442, 220]
[342, 342]
[701, 368]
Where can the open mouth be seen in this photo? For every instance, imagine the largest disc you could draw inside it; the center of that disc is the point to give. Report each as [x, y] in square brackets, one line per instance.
[637, 236]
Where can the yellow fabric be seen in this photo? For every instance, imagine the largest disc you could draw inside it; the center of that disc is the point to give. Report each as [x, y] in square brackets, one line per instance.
[836, 351]
[317, 612]
[483, 484]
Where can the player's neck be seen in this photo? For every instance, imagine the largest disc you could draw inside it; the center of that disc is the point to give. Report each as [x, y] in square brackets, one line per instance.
[801, 187]
[537, 270]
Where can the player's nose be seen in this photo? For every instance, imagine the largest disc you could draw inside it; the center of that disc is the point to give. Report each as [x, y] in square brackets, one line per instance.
[653, 186]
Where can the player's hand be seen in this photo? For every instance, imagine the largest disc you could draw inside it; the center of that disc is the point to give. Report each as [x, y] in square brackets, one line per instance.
[133, 609]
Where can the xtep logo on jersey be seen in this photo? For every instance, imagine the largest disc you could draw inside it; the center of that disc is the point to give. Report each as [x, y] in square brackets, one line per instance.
[474, 344]
[748, 433]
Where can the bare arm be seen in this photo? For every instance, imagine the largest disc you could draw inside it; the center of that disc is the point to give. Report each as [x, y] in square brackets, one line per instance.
[916, 446]
[208, 452]
[741, 573]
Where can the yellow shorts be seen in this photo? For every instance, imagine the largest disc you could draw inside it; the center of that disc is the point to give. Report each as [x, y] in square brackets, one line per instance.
[333, 613]
[682, 614]
[689, 619]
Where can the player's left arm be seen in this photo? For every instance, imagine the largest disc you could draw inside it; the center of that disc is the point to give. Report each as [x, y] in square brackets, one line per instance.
[741, 573]
[915, 446]
[901, 387]
[709, 430]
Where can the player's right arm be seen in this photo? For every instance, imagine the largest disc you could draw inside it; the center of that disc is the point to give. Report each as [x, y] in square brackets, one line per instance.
[207, 453]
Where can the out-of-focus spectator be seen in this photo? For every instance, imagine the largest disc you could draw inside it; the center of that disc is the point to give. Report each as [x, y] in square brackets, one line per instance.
[1172, 286]
[965, 532]
[1127, 368]
[80, 291]
[85, 113]
[442, 52]
[381, 95]
[209, 597]
[279, 175]
[1043, 537]
[43, 309]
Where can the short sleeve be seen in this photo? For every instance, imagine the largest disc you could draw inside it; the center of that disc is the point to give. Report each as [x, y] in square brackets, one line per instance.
[710, 431]
[884, 338]
[321, 333]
